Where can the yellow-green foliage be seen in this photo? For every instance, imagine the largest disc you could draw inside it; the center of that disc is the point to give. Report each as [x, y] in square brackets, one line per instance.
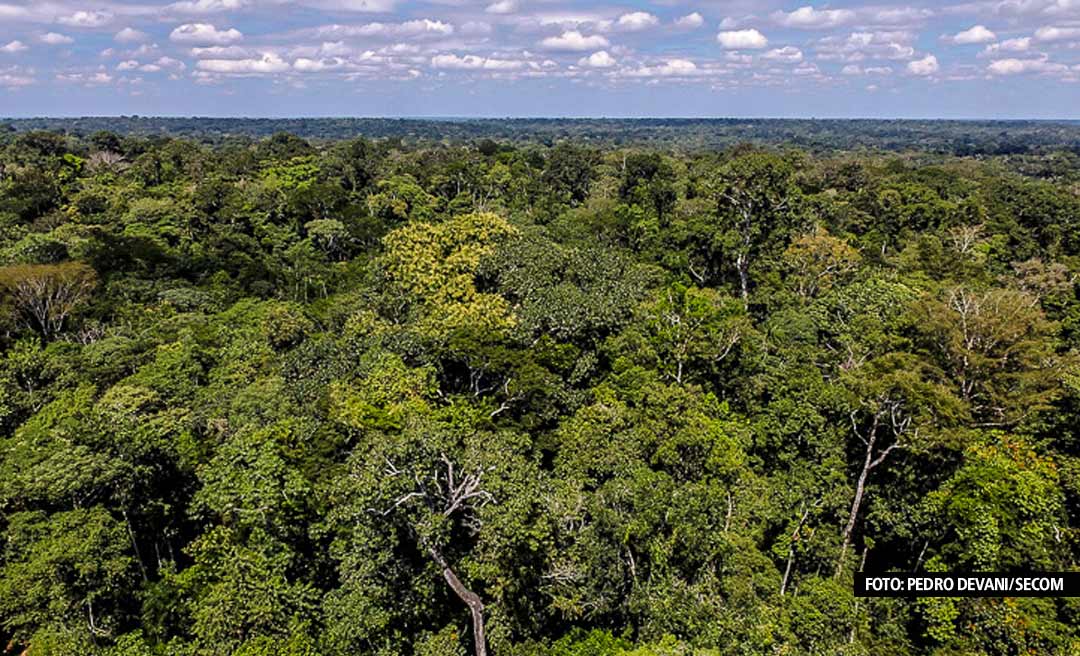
[435, 264]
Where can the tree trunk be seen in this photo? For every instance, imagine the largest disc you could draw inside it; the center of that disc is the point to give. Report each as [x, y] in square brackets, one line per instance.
[471, 599]
[791, 551]
[860, 489]
[743, 263]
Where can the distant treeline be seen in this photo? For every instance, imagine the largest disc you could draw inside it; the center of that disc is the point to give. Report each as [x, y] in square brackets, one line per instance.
[965, 138]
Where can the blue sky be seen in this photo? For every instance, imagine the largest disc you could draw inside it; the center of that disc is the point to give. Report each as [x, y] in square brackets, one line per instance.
[978, 59]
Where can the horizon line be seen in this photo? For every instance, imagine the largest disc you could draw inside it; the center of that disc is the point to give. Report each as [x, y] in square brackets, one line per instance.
[541, 118]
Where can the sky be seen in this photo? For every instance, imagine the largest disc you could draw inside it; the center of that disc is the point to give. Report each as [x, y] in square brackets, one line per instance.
[499, 58]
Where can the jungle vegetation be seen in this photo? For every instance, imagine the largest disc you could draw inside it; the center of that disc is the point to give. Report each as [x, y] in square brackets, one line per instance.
[362, 396]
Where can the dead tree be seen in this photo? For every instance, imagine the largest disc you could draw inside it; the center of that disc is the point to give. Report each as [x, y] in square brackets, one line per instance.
[45, 295]
[448, 492]
[887, 420]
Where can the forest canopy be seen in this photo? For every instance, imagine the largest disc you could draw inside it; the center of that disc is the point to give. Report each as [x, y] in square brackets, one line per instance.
[272, 396]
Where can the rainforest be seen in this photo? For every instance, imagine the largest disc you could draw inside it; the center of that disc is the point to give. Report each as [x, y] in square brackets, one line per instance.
[268, 395]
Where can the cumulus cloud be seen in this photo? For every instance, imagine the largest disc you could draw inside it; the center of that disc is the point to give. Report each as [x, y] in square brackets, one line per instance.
[14, 47]
[975, 34]
[787, 54]
[574, 41]
[690, 21]
[638, 20]
[169, 62]
[130, 35]
[471, 28]
[55, 39]
[14, 78]
[855, 69]
[1020, 66]
[408, 28]
[207, 6]
[1053, 33]
[473, 62]
[308, 65]
[204, 34]
[88, 79]
[224, 52]
[599, 59]
[811, 19]
[739, 39]
[267, 63]
[502, 7]
[1022, 44]
[412, 28]
[860, 46]
[928, 65]
[360, 6]
[669, 68]
[86, 19]
[894, 15]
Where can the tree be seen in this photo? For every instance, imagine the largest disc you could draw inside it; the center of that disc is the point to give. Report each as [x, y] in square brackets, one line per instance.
[435, 266]
[894, 405]
[45, 295]
[818, 261]
[996, 346]
[685, 332]
[757, 206]
[570, 171]
[648, 179]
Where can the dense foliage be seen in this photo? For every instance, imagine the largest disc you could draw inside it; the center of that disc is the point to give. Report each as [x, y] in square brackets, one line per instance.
[360, 398]
[962, 137]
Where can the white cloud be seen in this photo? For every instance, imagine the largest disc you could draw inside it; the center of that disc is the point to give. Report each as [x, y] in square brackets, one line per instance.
[599, 59]
[810, 18]
[502, 7]
[307, 65]
[224, 52]
[472, 28]
[86, 19]
[638, 20]
[690, 21]
[670, 68]
[367, 6]
[130, 35]
[894, 15]
[787, 54]
[1019, 66]
[206, 6]
[128, 65]
[408, 28]
[1053, 33]
[574, 41]
[268, 63]
[473, 62]
[928, 65]
[739, 39]
[412, 28]
[855, 69]
[14, 47]
[88, 79]
[205, 34]
[169, 62]
[14, 78]
[976, 34]
[860, 46]
[1022, 44]
[55, 39]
